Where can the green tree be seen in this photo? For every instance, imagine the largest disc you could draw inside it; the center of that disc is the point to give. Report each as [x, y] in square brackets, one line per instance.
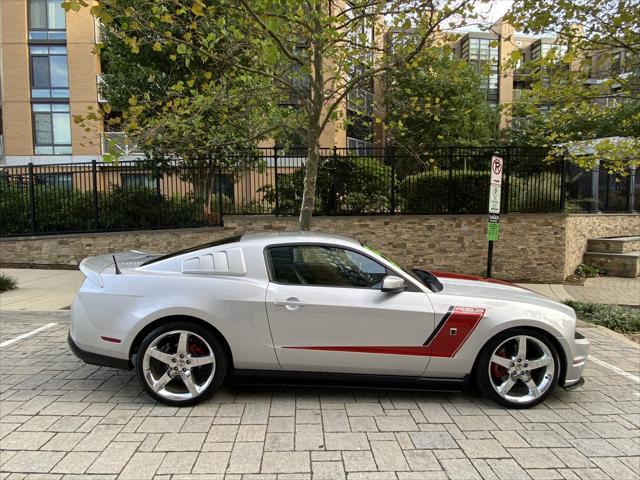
[587, 86]
[200, 113]
[315, 51]
[436, 102]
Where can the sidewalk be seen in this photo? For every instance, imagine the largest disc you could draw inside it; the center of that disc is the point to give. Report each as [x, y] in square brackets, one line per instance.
[40, 289]
[610, 290]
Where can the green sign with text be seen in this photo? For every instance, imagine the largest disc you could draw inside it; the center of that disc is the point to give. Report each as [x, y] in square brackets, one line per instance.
[493, 231]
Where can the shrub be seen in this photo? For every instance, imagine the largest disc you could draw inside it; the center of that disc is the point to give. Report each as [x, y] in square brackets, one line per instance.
[616, 317]
[353, 185]
[7, 283]
[588, 271]
[461, 191]
[467, 191]
[60, 210]
[538, 192]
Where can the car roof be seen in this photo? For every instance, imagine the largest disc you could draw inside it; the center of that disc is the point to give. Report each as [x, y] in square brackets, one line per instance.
[271, 238]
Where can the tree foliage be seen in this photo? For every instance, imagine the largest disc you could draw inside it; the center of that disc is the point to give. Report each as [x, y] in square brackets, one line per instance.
[315, 52]
[586, 87]
[436, 102]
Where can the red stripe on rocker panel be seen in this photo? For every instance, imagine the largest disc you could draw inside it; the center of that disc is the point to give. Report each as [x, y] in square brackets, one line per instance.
[464, 319]
[447, 341]
[420, 350]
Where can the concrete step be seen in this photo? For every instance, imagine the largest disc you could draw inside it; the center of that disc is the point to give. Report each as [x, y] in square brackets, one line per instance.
[616, 264]
[614, 244]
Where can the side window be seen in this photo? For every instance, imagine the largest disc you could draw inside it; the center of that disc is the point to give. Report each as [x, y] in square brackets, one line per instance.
[325, 266]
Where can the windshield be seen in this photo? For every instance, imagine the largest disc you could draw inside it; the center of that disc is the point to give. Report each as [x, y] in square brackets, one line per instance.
[222, 241]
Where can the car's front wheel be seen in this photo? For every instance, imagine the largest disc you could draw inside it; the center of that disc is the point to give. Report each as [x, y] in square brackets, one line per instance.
[181, 363]
[518, 368]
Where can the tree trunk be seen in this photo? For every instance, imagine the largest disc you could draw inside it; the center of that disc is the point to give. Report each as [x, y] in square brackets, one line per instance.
[202, 181]
[309, 192]
[315, 124]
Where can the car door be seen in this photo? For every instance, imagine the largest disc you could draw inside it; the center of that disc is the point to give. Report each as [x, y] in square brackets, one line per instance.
[327, 313]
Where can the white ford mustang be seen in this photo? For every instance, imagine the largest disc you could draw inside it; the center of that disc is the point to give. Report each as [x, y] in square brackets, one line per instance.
[307, 306]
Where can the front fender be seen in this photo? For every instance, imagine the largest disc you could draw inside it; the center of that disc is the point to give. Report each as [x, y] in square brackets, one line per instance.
[463, 362]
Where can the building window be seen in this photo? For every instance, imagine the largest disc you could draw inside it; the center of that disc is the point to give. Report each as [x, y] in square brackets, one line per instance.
[49, 72]
[46, 20]
[63, 181]
[137, 180]
[52, 129]
[361, 147]
[482, 55]
[227, 183]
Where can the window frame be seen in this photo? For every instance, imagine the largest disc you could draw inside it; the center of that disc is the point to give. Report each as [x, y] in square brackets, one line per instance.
[53, 145]
[142, 180]
[51, 88]
[48, 38]
[56, 183]
[411, 287]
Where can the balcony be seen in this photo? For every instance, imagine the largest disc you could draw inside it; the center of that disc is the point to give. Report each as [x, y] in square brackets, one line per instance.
[117, 143]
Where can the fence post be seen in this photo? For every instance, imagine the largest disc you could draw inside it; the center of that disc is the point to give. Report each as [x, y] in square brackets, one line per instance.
[563, 185]
[450, 177]
[32, 200]
[631, 194]
[94, 182]
[275, 170]
[333, 200]
[158, 210]
[392, 156]
[508, 160]
[595, 188]
[219, 193]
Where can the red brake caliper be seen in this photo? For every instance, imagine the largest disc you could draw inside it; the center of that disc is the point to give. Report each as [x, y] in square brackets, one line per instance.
[498, 371]
[195, 349]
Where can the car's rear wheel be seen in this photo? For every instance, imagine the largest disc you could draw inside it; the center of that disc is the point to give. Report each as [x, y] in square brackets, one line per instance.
[518, 368]
[181, 363]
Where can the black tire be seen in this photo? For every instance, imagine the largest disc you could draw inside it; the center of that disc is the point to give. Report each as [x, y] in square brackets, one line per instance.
[221, 362]
[482, 374]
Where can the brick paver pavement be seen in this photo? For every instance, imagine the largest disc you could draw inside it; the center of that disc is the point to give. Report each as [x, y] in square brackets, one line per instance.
[62, 419]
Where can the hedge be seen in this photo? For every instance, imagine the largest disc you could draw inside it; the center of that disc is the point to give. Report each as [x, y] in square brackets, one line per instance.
[348, 185]
[59, 210]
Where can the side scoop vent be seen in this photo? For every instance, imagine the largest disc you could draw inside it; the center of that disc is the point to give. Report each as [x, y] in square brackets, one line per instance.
[223, 262]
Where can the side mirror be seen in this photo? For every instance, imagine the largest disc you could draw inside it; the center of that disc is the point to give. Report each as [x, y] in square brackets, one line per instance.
[393, 284]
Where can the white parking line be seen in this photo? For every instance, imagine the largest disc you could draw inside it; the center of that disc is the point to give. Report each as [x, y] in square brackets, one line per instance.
[619, 371]
[26, 335]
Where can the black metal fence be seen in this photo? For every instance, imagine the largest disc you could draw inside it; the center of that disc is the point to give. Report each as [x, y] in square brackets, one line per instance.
[132, 195]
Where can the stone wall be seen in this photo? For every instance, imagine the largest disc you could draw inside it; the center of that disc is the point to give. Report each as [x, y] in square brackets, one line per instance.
[531, 247]
[580, 228]
[536, 248]
[69, 250]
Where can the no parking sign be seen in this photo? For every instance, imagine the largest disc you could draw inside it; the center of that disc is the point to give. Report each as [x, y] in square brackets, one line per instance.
[495, 189]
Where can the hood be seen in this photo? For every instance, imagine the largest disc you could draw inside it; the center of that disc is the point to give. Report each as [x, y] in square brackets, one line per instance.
[493, 289]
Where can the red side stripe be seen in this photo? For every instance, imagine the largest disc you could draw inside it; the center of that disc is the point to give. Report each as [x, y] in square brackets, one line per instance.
[464, 321]
[420, 350]
[443, 344]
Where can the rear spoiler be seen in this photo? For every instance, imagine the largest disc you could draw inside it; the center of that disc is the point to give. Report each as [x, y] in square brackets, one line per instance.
[93, 267]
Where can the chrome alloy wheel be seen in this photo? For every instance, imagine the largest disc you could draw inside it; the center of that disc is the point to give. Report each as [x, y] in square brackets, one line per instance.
[521, 369]
[179, 365]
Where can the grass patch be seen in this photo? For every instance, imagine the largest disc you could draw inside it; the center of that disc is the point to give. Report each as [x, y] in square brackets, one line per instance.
[615, 317]
[7, 283]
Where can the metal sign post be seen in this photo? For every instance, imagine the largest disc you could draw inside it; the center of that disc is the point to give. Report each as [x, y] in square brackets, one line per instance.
[493, 225]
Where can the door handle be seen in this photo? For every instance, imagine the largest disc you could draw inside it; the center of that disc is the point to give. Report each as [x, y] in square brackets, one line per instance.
[290, 303]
